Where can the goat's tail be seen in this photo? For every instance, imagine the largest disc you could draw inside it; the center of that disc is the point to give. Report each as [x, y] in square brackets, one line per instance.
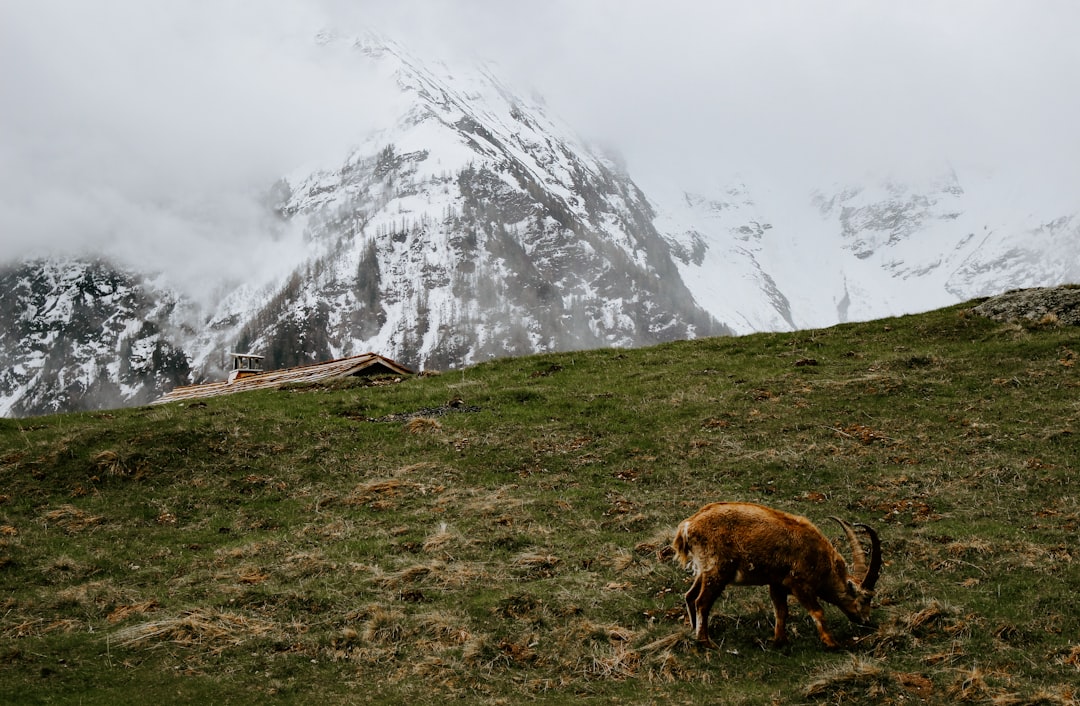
[681, 543]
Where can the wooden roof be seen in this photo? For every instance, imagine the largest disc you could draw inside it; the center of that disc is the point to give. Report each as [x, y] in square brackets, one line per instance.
[363, 364]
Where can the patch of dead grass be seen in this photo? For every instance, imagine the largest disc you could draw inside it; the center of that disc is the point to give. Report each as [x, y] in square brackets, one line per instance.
[383, 494]
[657, 546]
[440, 539]
[536, 564]
[1072, 657]
[585, 629]
[970, 686]
[614, 661]
[383, 625]
[110, 463]
[35, 627]
[446, 627]
[307, 565]
[71, 519]
[858, 681]
[204, 628]
[934, 615]
[499, 504]
[123, 612]
[423, 425]
[94, 596]
[64, 567]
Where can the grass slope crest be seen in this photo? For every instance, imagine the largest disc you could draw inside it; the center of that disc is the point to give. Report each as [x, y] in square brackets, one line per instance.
[501, 534]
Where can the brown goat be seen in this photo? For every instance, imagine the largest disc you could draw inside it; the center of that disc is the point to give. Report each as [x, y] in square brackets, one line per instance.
[752, 545]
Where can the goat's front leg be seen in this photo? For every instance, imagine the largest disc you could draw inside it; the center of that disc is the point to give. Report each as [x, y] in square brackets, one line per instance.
[813, 607]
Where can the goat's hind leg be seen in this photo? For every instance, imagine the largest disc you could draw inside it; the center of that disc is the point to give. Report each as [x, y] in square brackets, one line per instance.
[779, 595]
[709, 587]
[691, 600]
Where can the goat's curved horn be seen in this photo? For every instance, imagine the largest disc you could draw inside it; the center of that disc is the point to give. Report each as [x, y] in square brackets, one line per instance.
[858, 556]
[874, 570]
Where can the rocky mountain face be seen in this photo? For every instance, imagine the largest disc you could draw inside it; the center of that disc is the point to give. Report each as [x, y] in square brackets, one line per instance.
[476, 226]
[78, 335]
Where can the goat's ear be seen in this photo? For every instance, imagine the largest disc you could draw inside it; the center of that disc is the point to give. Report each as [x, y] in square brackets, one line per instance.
[852, 587]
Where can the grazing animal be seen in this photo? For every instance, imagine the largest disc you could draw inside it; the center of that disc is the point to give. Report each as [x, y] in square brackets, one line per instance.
[752, 545]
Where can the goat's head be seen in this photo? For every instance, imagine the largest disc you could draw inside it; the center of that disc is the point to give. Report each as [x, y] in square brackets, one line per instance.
[858, 591]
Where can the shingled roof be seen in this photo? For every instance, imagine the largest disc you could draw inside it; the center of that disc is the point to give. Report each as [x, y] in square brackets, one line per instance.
[364, 364]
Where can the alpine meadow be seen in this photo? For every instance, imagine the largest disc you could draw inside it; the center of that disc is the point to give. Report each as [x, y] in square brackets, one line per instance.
[501, 533]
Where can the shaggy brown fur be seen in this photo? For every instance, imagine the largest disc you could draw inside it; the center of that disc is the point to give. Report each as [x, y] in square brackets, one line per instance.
[752, 545]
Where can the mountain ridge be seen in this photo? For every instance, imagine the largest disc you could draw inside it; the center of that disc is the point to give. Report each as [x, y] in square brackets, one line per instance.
[475, 225]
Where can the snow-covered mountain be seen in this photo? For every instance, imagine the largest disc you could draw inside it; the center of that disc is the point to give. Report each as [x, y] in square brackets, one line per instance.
[476, 225]
[852, 253]
[78, 335]
[473, 226]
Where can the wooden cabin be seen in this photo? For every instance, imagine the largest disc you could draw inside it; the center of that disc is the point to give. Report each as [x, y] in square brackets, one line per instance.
[247, 374]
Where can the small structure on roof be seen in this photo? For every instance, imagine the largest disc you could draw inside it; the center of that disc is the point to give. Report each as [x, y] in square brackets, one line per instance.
[245, 364]
[247, 374]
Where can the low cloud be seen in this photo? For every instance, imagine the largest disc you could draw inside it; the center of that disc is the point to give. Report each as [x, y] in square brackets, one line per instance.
[150, 133]
[150, 130]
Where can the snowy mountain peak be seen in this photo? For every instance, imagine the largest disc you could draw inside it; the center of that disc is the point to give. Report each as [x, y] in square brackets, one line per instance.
[473, 226]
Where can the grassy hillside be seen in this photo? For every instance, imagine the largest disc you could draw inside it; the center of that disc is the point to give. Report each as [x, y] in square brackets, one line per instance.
[499, 534]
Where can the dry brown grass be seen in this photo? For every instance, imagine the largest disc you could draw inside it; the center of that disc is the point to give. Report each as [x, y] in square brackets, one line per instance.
[205, 628]
[616, 661]
[441, 539]
[970, 686]
[384, 494]
[585, 629]
[423, 425]
[501, 505]
[859, 681]
[382, 625]
[110, 462]
[445, 627]
[64, 567]
[414, 574]
[72, 519]
[19, 627]
[536, 564]
[657, 545]
[306, 565]
[95, 597]
[123, 612]
[934, 615]
[480, 650]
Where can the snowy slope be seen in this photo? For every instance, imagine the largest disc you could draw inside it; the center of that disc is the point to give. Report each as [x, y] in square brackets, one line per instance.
[474, 226]
[862, 252]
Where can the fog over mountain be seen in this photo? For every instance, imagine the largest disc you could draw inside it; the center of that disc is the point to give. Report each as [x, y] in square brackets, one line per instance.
[149, 132]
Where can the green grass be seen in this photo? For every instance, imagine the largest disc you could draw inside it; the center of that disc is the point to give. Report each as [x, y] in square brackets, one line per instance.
[499, 534]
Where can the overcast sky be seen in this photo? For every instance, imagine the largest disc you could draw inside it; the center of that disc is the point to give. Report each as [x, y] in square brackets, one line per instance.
[137, 126]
